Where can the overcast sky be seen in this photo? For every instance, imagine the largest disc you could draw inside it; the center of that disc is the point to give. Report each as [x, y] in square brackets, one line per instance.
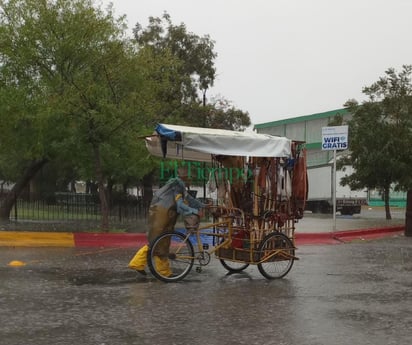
[279, 59]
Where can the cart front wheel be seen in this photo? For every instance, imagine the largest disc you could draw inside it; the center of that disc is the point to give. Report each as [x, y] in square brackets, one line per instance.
[277, 254]
[233, 267]
[170, 257]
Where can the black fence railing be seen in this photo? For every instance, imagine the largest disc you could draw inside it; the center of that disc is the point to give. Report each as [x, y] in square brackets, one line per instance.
[76, 212]
[76, 206]
[41, 210]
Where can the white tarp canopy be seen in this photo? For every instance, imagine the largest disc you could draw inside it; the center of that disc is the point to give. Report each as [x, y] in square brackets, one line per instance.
[198, 144]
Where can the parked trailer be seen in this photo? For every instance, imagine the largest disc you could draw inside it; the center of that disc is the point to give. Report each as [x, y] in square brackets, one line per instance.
[320, 197]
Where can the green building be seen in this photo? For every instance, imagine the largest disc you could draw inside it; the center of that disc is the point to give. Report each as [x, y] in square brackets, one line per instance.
[308, 128]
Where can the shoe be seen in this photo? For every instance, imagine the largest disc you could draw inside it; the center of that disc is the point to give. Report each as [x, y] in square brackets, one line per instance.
[142, 272]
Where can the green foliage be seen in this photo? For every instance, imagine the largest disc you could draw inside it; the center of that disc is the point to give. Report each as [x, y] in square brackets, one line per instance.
[371, 150]
[380, 135]
[183, 101]
[381, 132]
[337, 120]
[394, 94]
[76, 91]
[196, 53]
[69, 80]
[222, 114]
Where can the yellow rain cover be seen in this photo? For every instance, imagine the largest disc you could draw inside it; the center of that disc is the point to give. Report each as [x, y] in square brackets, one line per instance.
[163, 266]
[139, 261]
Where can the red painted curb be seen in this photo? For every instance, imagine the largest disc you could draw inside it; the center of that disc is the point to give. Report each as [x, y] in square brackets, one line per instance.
[315, 238]
[352, 233]
[109, 240]
[138, 240]
[370, 233]
[346, 236]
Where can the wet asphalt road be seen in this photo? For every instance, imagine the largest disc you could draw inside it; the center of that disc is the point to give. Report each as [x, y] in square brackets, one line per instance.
[358, 293]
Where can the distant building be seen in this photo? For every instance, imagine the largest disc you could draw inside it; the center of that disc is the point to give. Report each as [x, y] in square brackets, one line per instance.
[308, 128]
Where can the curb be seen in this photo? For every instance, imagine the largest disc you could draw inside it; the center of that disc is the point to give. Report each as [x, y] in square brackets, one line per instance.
[347, 235]
[109, 240]
[67, 239]
[36, 239]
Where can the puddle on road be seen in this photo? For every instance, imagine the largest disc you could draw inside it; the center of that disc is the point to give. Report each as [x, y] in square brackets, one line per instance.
[93, 276]
[101, 276]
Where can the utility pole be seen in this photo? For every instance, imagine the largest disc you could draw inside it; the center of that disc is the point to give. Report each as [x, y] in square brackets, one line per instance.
[204, 164]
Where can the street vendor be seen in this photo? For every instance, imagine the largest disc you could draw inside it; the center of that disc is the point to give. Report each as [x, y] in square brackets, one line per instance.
[168, 202]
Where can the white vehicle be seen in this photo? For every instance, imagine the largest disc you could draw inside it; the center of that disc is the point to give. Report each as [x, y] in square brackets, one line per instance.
[320, 197]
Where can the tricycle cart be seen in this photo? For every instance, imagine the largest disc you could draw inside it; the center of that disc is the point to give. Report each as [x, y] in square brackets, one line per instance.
[261, 186]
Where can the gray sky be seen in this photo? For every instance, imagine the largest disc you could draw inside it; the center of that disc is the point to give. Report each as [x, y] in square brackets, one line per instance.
[279, 59]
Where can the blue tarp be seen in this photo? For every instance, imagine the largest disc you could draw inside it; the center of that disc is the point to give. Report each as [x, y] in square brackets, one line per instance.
[168, 133]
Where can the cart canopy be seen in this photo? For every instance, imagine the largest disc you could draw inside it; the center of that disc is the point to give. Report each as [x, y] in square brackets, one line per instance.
[198, 144]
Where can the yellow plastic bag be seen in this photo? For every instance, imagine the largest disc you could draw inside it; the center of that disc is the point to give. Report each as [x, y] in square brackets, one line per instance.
[139, 261]
[163, 266]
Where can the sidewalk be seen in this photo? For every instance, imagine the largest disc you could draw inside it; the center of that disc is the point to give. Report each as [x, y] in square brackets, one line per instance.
[311, 230]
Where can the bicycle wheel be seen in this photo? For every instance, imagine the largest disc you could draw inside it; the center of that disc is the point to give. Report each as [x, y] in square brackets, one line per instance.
[233, 266]
[170, 257]
[277, 254]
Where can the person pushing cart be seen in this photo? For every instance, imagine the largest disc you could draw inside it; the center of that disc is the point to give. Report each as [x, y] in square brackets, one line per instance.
[168, 202]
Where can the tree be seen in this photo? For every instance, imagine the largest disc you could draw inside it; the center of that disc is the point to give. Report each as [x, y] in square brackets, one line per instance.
[222, 114]
[74, 90]
[394, 93]
[380, 135]
[196, 53]
[184, 101]
[72, 86]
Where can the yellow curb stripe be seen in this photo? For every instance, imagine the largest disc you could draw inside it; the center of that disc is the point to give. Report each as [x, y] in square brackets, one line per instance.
[36, 239]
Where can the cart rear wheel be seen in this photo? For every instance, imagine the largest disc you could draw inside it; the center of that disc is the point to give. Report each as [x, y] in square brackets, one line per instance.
[276, 255]
[233, 266]
[170, 257]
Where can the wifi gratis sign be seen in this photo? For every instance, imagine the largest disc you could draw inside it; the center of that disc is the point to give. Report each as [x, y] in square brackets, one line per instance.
[335, 138]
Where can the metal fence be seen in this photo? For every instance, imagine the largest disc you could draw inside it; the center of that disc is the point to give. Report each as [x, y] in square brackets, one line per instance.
[77, 212]
[41, 210]
[74, 210]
